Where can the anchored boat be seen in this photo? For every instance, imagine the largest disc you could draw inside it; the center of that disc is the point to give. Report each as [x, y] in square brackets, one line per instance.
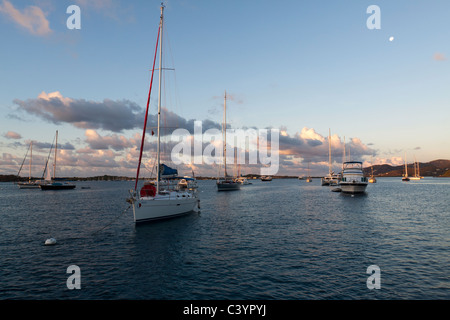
[53, 184]
[160, 200]
[226, 183]
[353, 179]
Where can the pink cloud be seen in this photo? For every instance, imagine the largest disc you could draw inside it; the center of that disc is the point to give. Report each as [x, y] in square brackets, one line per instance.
[12, 135]
[31, 18]
[439, 57]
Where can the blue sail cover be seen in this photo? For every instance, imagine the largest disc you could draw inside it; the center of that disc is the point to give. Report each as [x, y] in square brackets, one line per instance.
[166, 171]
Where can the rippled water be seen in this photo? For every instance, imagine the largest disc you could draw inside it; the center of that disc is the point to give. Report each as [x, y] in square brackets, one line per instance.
[284, 239]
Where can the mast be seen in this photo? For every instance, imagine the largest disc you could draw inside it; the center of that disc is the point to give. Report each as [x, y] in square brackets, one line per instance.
[418, 170]
[225, 133]
[146, 112]
[329, 151]
[31, 157]
[415, 164]
[406, 167]
[343, 156]
[159, 99]
[54, 162]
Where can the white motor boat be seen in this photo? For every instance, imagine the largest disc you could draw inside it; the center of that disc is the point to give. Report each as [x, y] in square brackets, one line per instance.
[353, 179]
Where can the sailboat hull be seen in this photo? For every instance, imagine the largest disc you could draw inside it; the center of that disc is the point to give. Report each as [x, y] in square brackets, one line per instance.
[152, 209]
[57, 186]
[228, 186]
[28, 185]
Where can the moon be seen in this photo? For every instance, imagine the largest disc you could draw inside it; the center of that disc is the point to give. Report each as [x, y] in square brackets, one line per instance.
[391, 39]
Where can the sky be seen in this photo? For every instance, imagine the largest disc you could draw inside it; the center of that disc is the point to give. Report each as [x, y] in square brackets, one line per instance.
[302, 67]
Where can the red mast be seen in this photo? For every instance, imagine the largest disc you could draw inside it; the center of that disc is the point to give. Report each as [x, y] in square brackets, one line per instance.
[146, 112]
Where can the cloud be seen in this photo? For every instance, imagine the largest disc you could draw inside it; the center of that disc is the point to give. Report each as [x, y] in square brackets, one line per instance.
[111, 115]
[439, 57]
[115, 142]
[12, 135]
[31, 18]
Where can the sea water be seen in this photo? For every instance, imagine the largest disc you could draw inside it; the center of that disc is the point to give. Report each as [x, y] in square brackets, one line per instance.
[280, 240]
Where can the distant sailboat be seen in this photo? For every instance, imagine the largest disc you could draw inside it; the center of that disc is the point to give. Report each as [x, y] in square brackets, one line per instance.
[308, 179]
[29, 184]
[331, 179]
[226, 183]
[416, 171]
[372, 177]
[53, 185]
[405, 176]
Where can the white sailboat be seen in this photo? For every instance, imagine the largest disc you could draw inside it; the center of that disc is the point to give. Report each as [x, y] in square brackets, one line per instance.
[160, 201]
[416, 171]
[226, 183]
[29, 184]
[53, 184]
[331, 179]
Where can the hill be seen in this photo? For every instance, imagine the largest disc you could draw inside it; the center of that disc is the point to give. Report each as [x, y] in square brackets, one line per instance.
[435, 168]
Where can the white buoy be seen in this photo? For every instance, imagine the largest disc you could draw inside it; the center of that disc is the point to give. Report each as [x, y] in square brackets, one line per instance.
[50, 242]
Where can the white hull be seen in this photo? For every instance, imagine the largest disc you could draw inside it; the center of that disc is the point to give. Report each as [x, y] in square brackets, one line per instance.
[28, 186]
[326, 181]
[353, 187]
[149, 209]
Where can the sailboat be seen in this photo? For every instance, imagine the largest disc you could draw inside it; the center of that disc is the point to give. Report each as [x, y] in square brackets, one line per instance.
[416, 171]
[372, 177]
[308, 179]
[226, 183]
[331, 179]
[29, 184]
[405, 176]
[160, 201]
[53, 184]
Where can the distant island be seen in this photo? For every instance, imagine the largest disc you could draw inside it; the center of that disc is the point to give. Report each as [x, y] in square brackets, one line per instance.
[436, 168]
